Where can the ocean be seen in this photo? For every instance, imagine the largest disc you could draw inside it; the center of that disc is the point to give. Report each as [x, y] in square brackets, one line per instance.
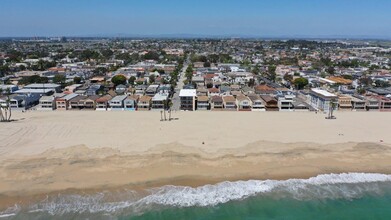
[330, 196]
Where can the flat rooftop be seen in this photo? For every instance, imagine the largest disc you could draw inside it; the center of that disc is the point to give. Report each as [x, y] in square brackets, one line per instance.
[324, 93]
[188, 93]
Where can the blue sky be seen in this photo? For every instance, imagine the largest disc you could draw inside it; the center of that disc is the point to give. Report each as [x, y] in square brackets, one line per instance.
[201, 17]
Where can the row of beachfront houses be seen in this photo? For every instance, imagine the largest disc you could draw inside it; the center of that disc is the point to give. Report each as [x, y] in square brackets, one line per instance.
[313, 100]
[191, 101]
[73, 101]
[324, 100]
[103, 103]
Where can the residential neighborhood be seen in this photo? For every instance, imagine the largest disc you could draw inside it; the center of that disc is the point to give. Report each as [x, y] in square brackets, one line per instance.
[188, 75]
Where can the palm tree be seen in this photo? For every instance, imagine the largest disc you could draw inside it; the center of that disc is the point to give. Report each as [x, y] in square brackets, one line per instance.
[1, 107]
[333, 104]
[1, 113]
[6, 116]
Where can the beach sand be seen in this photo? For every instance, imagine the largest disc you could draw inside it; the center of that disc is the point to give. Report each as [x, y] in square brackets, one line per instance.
[50, 152]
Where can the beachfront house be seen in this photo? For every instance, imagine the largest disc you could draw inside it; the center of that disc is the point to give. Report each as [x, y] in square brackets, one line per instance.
[216, 102]
[203, 103]
[257, 103]
[244, 103]
[159, 101]
[102, 103]
[144, 103]
[74, 103]
[344, 102]
[188, 99]
[16, 101]
[358, 104]
[271, 104]
[48, 103]
[285, 103]
[371, 103]
[22, 102]
[300, 105]
[63, 103]
[117, 103]
[89, 102]
[130, 103]
[229, 103]
[322, 100]
[384, 103]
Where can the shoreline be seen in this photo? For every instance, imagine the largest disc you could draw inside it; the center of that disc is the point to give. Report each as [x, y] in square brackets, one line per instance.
[80, 171]
[62, 152]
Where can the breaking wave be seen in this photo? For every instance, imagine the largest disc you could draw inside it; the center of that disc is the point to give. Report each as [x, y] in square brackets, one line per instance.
[329, 186]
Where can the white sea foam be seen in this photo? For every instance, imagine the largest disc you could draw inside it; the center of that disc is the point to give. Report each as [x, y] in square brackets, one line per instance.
[11, 211]
[322, 186]
[329, 186]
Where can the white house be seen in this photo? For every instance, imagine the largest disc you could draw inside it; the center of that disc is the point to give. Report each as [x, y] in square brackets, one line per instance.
[188, 99]
[117, 103]
[322, 99]
[159, 101]
[285, 103]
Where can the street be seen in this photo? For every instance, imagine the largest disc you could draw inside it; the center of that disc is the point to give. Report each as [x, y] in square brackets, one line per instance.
[175, 98]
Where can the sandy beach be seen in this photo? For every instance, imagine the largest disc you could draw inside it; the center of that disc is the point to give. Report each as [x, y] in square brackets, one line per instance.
[46, 152]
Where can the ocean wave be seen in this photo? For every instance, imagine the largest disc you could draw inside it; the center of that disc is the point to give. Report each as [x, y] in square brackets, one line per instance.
[10, 211]
[328, 186]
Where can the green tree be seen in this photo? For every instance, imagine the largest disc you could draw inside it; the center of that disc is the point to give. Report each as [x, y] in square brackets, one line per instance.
[151, 55]
[107, 54]
[77, 80]
[331, 70]
[256, 69]
[118, 80]
[131, 80]
[288, 77]
[100, 71]
[33, 79]
[59, 79]
[300, 83]
[347, 77]
[272, 72]
[152, 79]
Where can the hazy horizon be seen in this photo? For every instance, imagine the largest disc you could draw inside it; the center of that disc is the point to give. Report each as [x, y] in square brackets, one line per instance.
[246, 18]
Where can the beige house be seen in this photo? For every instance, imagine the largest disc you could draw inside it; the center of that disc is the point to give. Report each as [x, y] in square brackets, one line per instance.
[229, 103]
[63, 103]
[258, 104]
[203, 103]
[144, 103]
[216, 102]
[243, 103]
[344, 102]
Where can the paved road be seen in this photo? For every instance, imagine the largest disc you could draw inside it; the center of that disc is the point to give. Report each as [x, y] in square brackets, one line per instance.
[175, 99]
